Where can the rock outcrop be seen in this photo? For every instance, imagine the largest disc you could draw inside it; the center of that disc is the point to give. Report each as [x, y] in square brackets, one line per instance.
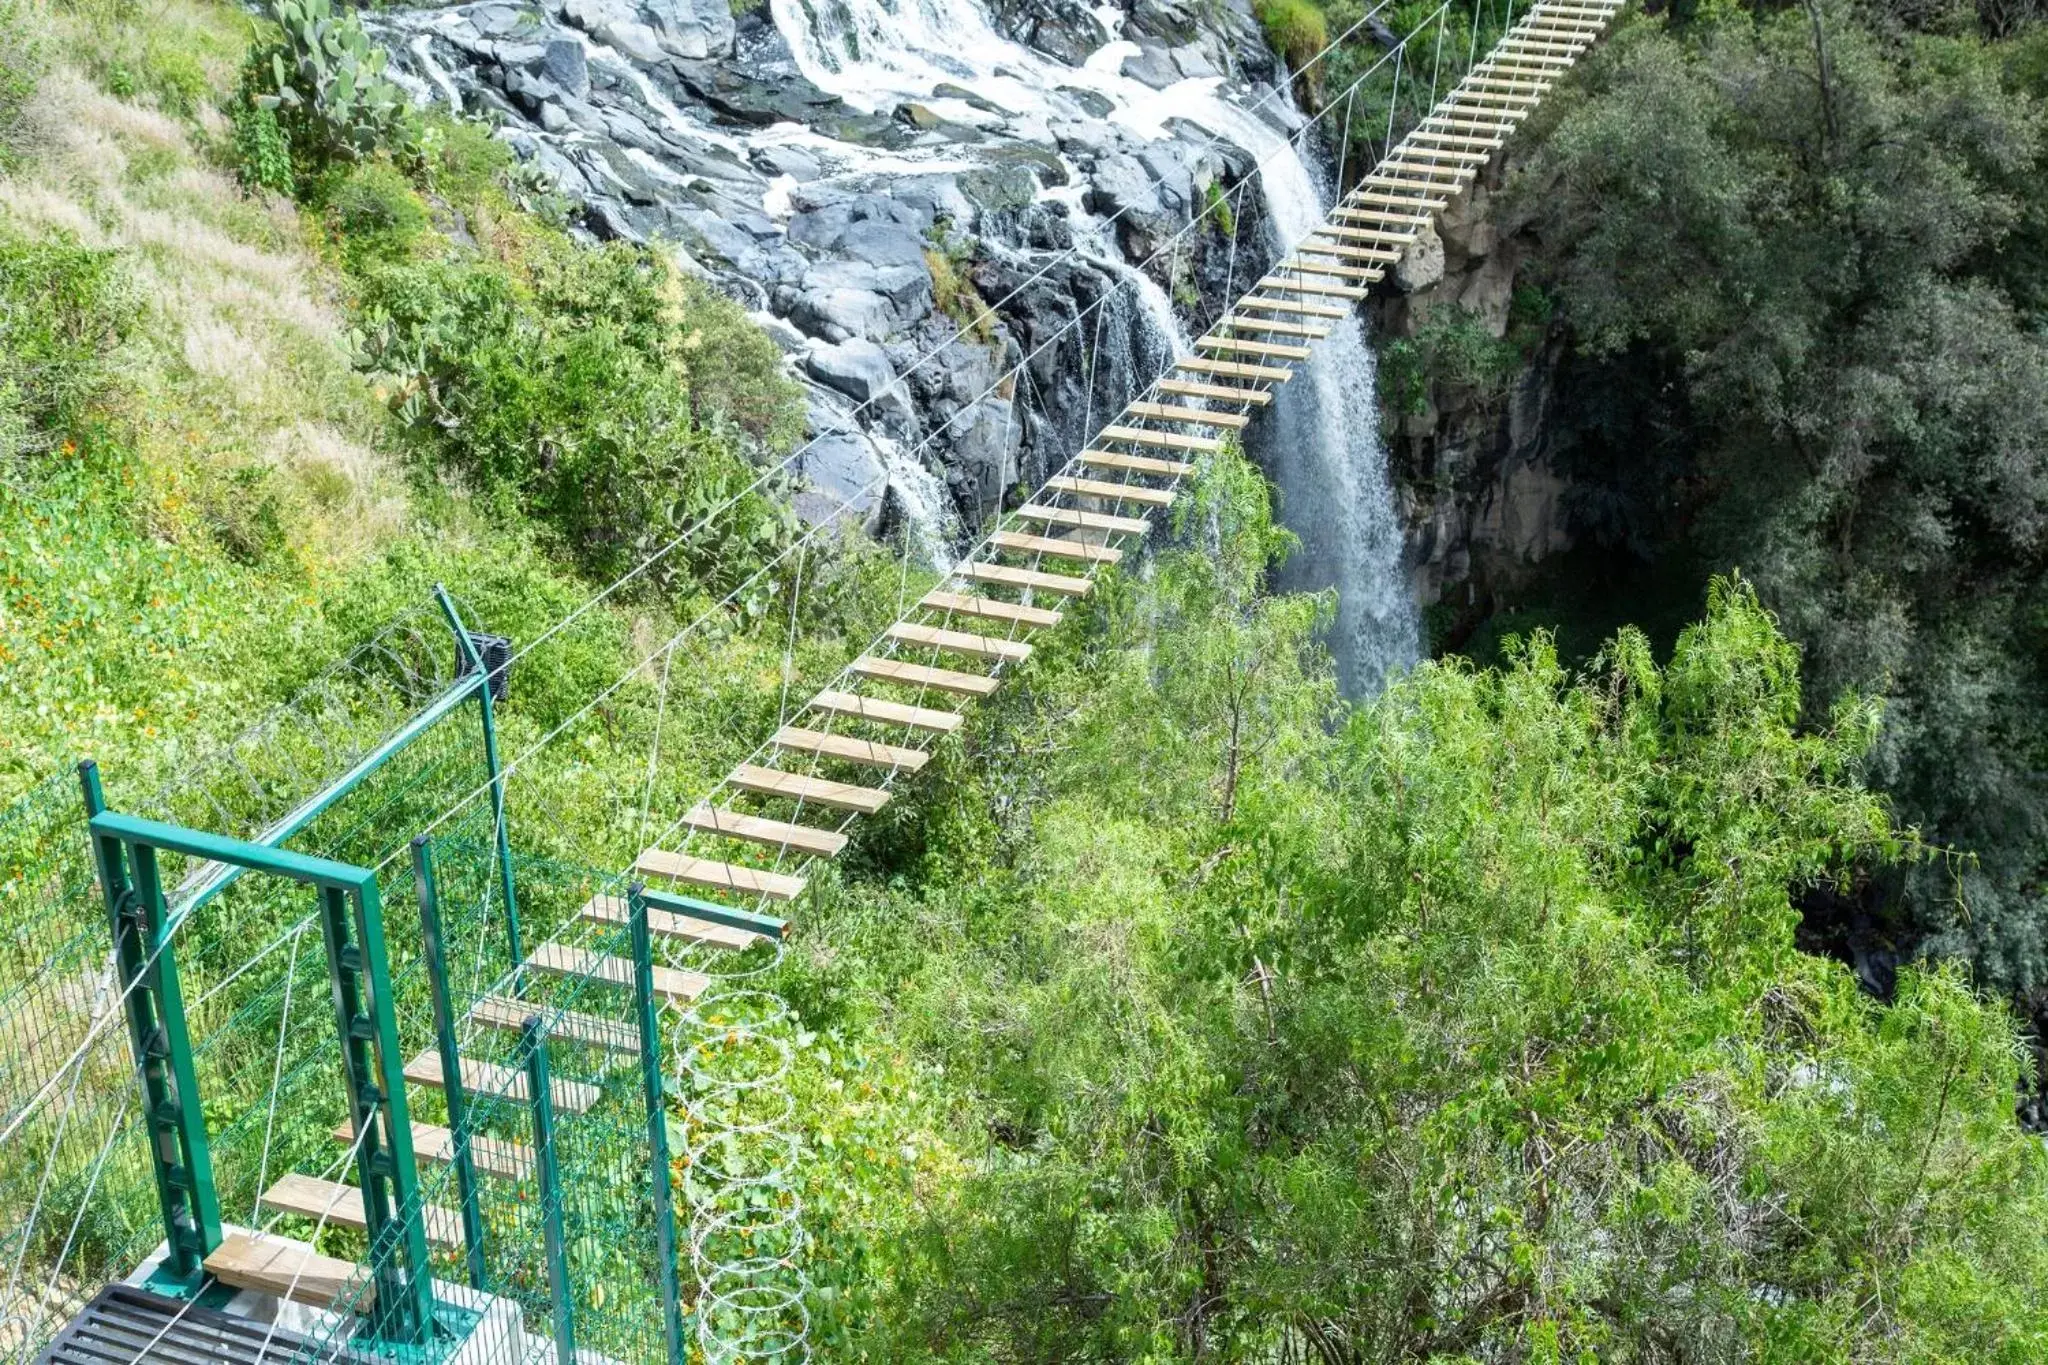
[867, 229]
[1481, 495]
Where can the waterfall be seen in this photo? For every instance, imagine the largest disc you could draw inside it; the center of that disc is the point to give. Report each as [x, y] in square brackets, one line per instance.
[1325, 451]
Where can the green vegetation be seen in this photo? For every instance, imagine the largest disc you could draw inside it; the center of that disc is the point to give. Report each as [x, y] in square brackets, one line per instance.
[1799, 257]
[1465, 1026]
[1217, 206]
[1295, 29]
[323, 80]
[953, 293]
[1178, 1009]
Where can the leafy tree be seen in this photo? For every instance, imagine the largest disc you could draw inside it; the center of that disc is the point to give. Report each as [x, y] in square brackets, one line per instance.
[1798, 252]
[1473, 1028]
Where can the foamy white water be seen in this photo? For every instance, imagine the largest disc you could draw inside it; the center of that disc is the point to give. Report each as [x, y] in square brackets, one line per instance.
[1328, 455]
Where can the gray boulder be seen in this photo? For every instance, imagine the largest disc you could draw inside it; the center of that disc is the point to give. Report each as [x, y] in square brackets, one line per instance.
[1151, 64]
[858, 369]
[837, 314]
[562, 62]
[845, 478]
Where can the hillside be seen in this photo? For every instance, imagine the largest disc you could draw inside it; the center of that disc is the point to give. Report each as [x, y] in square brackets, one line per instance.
[1189, 1000]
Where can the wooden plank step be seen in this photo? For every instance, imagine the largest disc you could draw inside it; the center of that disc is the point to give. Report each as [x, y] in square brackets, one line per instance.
[922, 675]
[504, 1082]
[1059, 547]
[1271, 349]
[1388, 241]
[1410, 167]
[1272, 326]
[960, 641]
[1234, 369]
[1173, 412]
[1009, 575]
[1083, 521]
[492, 1156]
[1541, 46]
[850, 749]
[884, 712]
[342, 1206]
[671, 985]
[1226, 393]
[1275, 327]
[1412, 154]
[1494, 101]
[1454, 141]
[1507, 57]
[1111, 492]
[1295, 265]
[566, 1026]
[613, 912]
[1301, 307]
[991, 609]
[733, 824]
[1342, 252]
[1497, 125]
[1165, 440]
[287, 1269]
[1408, 206]
[1135, 464]
[717, 876]
[1343, 291]
[1509, 85]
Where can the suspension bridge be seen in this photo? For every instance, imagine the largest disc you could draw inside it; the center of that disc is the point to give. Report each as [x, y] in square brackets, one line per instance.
[619, 1077]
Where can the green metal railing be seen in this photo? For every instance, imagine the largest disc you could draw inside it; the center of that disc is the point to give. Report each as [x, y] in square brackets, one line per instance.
[352, 924]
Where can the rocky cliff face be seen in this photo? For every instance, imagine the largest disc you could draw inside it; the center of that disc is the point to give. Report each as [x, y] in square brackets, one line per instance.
[1474, 464]
[866, 174]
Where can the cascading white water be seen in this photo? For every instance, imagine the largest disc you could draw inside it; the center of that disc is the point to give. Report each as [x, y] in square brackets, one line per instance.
[1327, 454]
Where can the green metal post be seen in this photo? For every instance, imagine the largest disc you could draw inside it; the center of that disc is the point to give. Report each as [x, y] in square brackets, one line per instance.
[657, 1123]
[534, 1039]
[180, 1157]
[361, 981]
[484, 702]
[452, 1084]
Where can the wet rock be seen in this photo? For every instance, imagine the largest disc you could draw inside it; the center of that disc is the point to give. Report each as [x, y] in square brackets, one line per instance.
[1192, 62]
[858, 369]
[845, 478]
[1066, 30]
[949, 91]
[789, 161]
[842, 314]
[562, 62]
[1152, 65]
[985, 439]
[740, 96]
[1093, 104]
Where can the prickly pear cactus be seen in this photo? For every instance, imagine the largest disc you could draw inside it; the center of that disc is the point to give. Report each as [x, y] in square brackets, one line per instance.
[327, 77]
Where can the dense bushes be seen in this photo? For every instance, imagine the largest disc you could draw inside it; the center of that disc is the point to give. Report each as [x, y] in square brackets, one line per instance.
[1809, 327]
[612, 398]
[63, 309]
[1470, 1028]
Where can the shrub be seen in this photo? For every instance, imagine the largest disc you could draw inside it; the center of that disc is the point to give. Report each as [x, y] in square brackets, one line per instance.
[324, 79]
[263, 151]
[954, 294]
[374, 213]
[1221, 216]
[607, 401]
[1295, 29]
[18, 69]
[62, 312]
